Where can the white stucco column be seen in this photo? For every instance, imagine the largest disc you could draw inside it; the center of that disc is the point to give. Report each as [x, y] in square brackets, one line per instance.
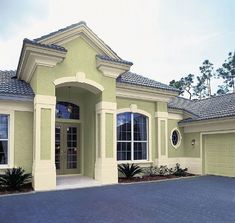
[44, 172]
[106, 163]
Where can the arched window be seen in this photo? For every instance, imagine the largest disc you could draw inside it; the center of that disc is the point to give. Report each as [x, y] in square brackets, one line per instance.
[67, 110]
[132, 136]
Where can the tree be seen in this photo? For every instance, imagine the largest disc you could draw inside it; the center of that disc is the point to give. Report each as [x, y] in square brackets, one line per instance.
[184, 84]
[222, 89]
[199, 90]
[207, 73]
[178, 85]
[227, 71]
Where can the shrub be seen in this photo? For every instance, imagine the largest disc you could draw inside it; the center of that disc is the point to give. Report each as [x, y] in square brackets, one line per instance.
[14, 179]
[164, 171]
[178, 171]
[150, 171]
[128, 170]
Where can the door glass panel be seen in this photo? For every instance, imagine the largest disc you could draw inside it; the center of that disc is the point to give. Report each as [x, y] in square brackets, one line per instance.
[57, 146]
[72, 147]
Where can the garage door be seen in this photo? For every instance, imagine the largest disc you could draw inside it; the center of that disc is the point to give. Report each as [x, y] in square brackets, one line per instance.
[220, 154]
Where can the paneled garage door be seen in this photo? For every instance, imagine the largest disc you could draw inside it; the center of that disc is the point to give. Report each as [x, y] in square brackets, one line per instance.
[220, 154]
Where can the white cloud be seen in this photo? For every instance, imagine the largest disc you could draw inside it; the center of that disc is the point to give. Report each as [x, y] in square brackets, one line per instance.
[164, 39]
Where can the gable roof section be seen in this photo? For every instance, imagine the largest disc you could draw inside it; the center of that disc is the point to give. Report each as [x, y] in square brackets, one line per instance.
[73, 30]
[139, 80]
[13, 88]
[205, 109]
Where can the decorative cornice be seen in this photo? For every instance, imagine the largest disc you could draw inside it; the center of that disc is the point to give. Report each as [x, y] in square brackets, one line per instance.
[112, 68]
[37, 55]
[143, 93]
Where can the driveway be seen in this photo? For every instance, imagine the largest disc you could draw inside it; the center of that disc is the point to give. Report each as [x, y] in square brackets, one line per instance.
[201, 199]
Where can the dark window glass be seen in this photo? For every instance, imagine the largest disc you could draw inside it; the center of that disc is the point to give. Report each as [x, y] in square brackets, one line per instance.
[175, 137]
[131, 136]
[4, 139]
[124, 126]
[66, 110]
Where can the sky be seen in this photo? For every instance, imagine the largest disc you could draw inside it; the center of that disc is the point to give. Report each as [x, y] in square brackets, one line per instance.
[165, 39]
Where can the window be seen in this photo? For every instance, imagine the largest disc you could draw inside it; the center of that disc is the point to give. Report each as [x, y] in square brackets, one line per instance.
[175, 138]
[132, 137]
[4, 139]
[66, 110]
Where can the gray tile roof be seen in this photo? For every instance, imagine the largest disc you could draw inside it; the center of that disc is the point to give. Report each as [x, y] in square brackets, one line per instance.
[10, 86]
[50, 46]
[103, 57]
[136, 79]
[210, 108]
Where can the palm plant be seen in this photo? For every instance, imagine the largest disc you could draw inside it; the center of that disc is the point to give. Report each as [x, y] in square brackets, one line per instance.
[128, 170]
[14, 179]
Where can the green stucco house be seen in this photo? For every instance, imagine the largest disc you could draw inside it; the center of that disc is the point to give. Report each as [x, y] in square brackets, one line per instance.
[73, 107]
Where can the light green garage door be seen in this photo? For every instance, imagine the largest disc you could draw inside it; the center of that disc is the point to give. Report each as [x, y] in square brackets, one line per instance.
[220, 154]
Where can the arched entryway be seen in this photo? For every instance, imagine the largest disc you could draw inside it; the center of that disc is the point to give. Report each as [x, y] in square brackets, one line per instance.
[75, 129]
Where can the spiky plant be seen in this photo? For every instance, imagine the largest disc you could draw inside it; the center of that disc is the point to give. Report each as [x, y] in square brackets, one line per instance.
[128, 170]
[14, 179]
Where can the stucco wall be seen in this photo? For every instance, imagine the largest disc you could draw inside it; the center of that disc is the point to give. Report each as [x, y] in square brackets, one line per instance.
[23, 141]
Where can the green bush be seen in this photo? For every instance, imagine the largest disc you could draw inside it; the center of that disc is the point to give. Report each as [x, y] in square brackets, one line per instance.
[150, 171]
[164, 171]
[129, 171]
[14, 179]
[178, 171]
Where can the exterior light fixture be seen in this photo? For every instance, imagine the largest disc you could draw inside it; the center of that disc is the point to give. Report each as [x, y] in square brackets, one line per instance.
[193, 142]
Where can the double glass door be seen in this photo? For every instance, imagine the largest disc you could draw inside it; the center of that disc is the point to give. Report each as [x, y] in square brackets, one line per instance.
[67, 149]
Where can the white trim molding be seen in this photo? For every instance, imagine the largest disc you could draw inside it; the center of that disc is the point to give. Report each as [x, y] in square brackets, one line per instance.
[79, 80]
[210, 126]
[143, 93]
[33, 56]
[110, 68]
[179, 138]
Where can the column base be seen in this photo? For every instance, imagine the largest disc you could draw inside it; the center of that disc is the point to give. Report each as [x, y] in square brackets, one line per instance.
[106, 171]
[44, 176]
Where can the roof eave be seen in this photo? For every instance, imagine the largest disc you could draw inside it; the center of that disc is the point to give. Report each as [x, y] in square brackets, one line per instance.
[33, 55]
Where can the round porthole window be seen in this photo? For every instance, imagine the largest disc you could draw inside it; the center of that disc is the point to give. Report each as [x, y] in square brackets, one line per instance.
[175, 138]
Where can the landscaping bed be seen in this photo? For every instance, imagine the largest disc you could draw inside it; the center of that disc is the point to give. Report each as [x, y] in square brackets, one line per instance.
[134, 173]
[150, 178]
[24, 189]
[15, 180]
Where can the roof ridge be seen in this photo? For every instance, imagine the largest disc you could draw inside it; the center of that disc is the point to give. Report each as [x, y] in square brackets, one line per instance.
[60, 30]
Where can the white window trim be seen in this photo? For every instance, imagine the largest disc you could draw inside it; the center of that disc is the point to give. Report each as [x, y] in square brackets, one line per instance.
[179, 138]
[11, 121]
[149, 135]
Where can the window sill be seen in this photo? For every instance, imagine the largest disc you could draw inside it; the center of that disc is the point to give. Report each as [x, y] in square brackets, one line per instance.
[5, 166]
[135, 161]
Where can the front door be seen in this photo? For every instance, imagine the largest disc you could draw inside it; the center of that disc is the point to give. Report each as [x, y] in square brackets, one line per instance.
[67, 151]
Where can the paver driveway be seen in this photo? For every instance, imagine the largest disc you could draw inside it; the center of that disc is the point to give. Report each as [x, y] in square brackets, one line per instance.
[201, 199]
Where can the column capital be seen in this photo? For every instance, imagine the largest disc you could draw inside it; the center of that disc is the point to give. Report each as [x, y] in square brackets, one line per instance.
[107, 106]
[44, 99]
